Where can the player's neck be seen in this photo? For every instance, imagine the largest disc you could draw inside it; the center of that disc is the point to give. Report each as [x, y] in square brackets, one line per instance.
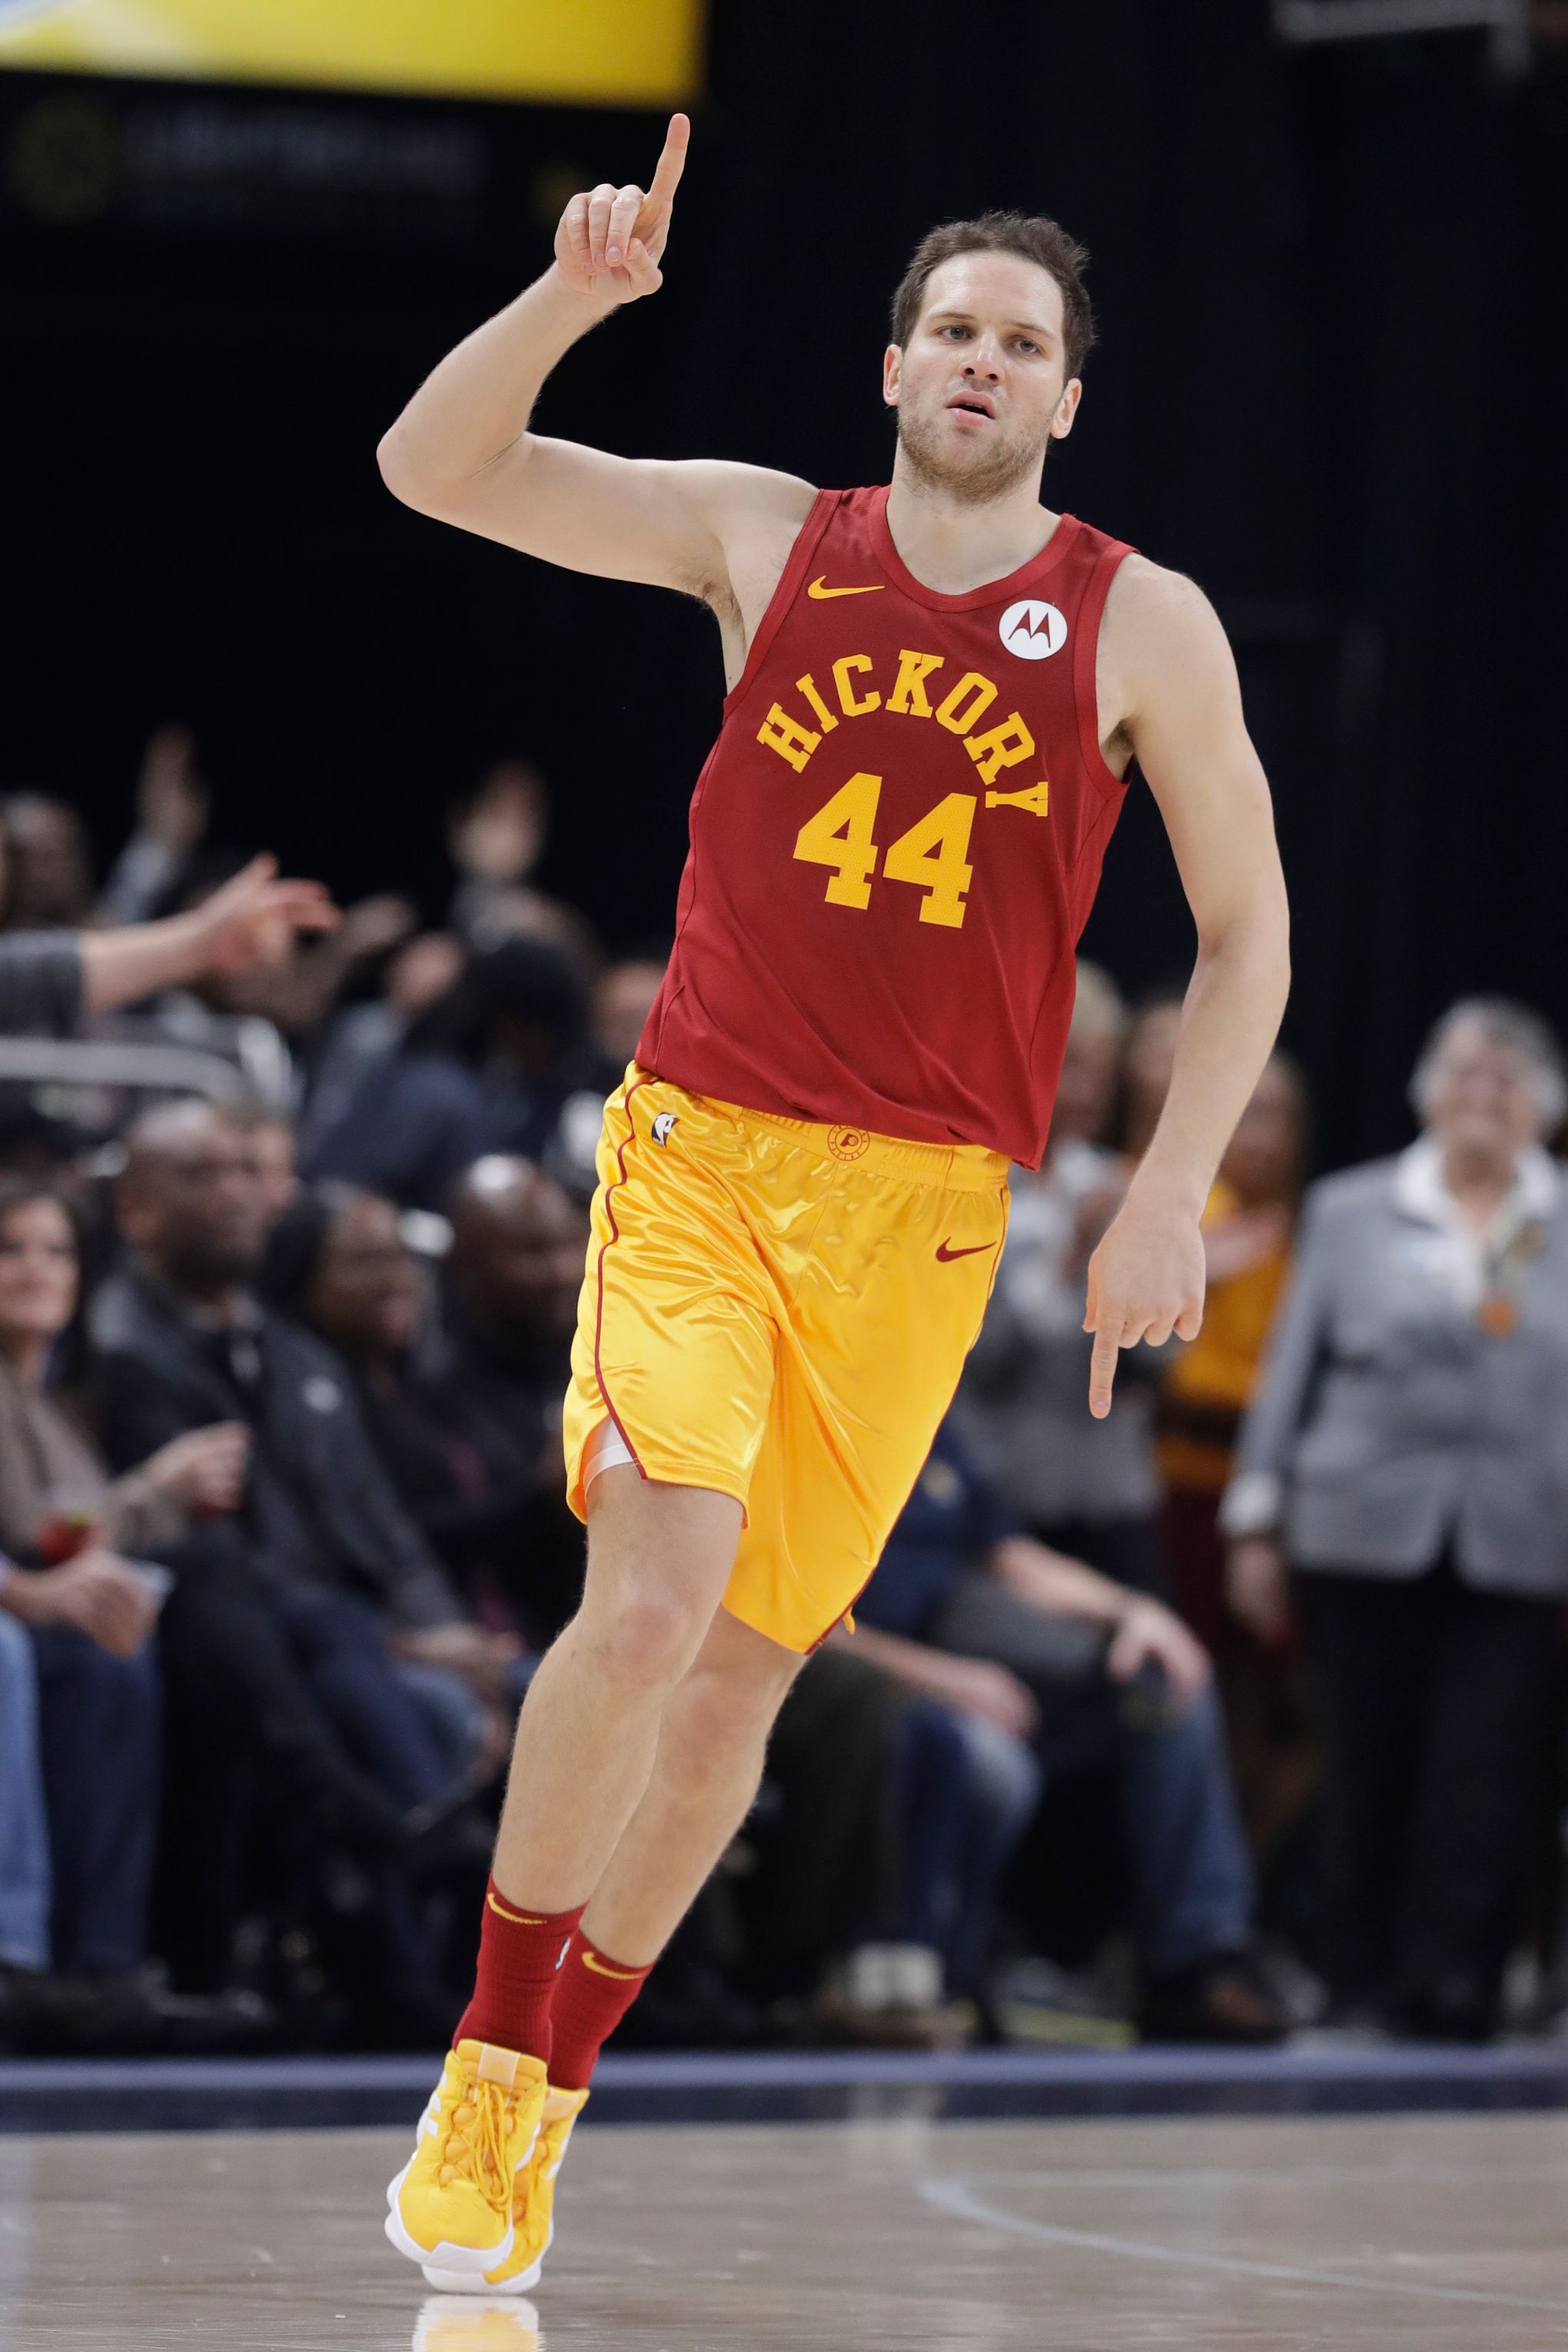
[953, 544]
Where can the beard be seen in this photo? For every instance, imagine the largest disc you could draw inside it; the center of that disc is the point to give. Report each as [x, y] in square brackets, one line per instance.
[973, 479]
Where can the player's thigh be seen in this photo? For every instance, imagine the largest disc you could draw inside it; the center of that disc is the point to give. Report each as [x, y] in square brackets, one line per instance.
[869, 1367]
[677, 1323]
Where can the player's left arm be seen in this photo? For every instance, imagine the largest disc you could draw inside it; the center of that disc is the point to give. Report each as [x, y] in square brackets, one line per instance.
[1167, 668]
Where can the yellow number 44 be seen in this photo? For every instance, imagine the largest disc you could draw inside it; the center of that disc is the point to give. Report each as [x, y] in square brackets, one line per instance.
[933, 854]
[839, 835]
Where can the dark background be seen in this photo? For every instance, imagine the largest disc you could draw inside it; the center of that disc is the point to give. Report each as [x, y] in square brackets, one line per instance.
[1331, 386]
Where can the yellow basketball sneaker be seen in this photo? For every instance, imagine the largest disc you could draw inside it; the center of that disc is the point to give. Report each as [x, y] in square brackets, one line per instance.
[532, 2210]
[451, 2208]
[446, 2324]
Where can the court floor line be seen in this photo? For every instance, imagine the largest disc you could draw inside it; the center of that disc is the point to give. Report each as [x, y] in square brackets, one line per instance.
[1292, 2176]
[954, 2197]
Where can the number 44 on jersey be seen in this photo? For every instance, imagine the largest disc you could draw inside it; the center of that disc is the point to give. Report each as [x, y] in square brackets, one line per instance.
[932, 855]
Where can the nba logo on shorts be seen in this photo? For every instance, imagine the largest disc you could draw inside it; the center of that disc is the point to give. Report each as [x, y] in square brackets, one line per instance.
[1032, 630]
[663, 1124]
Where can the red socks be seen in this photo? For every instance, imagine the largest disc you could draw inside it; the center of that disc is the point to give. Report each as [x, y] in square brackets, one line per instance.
[520, 1956]
[593, 1993]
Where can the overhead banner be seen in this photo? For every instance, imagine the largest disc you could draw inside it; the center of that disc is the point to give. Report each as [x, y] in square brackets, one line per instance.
[588, 52]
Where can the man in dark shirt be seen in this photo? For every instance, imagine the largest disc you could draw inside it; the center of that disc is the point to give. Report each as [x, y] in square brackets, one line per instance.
[500, 1369]
[291, 1622]
[1034, 1650]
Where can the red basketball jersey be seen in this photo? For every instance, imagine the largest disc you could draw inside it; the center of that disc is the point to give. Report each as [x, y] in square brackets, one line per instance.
[895, 843]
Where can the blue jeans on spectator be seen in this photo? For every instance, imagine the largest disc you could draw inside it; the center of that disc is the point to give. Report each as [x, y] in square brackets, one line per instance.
[24, 1827]
[931, 1760]
[78, 1801]
[407, 1744]
[1192, 1887]
[1004, 1782]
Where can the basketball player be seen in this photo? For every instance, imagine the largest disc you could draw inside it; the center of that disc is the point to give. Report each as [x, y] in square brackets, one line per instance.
[936, 690]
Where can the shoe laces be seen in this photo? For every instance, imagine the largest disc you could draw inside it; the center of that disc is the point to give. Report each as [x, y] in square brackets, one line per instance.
[475, 2147]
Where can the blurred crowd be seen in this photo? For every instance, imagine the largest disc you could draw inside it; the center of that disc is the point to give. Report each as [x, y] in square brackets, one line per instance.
[1237, 1713]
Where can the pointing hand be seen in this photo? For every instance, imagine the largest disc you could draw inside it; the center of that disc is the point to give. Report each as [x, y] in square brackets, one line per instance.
[610, 241]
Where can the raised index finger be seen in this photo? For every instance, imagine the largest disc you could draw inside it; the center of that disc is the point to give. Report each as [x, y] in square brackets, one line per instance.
[1102, 1369]
[667, 171]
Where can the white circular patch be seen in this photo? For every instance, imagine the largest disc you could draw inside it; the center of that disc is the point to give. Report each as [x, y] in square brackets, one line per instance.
[322, 1394]
[1032, 630]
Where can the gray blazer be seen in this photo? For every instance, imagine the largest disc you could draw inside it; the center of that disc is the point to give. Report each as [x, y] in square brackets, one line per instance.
[1390, 1421]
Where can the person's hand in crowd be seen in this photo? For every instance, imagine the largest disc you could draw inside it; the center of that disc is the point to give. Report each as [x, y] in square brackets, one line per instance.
[255, 918]
[1148, 1634]
[374, 927]
[205, 1471]
[172, 802]
[465, 1649]
[499, 836]
[1257, 1586]
[1247, 1238]
[96, 1593]
[996, 1693]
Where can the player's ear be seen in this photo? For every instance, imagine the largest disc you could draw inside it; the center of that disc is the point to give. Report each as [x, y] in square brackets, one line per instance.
[892, 371]
[1066, 409]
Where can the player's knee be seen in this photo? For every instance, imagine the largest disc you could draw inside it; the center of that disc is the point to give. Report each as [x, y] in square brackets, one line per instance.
[649, 1639]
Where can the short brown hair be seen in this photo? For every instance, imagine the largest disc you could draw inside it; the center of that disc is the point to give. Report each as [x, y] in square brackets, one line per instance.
[1029, 235]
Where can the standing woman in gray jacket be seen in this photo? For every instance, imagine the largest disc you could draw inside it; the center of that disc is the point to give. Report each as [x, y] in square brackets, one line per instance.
[1407, 1457]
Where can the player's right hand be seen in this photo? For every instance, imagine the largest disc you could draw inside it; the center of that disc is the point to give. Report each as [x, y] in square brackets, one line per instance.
[610, 241]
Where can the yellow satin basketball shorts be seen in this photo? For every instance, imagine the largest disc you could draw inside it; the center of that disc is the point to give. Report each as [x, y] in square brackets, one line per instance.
[779, 1311]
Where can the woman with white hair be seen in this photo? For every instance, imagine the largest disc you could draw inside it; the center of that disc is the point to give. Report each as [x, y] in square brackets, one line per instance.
[1407, 1457]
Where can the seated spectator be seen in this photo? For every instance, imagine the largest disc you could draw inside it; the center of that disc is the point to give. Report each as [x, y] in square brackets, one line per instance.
[417, 973]
[64, 1526]
[622, 1000]
[287, 1623]
[1206, 1387]
[273, 1146]
[1247, 1228]
[1404, 1457]
[502, 1358]
[486, 1068]
[339, 1262]
[1054, 1670]
[51, 869]
[853, 1852]
[1084, 1486]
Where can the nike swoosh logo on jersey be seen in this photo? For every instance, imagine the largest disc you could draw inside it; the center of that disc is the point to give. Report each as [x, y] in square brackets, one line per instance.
[622, 1976]
[945, 1250]
[820, 589]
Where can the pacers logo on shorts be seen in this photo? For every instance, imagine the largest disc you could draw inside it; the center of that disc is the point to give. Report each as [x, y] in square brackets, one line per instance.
[848, 1142]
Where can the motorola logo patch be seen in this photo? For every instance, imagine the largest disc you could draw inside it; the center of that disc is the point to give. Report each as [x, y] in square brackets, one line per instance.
[1032, 630]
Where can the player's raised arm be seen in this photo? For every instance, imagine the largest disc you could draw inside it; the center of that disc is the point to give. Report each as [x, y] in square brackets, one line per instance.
[1177, 683]
[462, 450]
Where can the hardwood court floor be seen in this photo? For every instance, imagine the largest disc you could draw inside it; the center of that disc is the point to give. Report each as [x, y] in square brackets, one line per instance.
[1449, 2233]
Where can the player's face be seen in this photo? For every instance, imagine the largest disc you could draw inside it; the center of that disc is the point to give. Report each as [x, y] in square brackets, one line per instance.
[982, 386]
